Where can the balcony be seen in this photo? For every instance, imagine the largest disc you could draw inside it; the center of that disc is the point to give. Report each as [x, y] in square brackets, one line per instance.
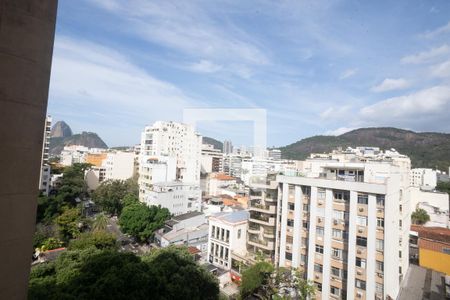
[272, 209]
[261, 243]
[254, 229]
[262, 219]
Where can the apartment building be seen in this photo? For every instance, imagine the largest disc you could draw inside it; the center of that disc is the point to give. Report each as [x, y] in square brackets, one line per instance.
[227, 147]
[211, 159]
[227, 232]
[45, 173]
[422, 177]
[178, 197]
[119, 165]
[262, 220]
[344, 222]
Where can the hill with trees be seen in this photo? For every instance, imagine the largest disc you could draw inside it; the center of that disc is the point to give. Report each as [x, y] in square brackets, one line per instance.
[426, 149]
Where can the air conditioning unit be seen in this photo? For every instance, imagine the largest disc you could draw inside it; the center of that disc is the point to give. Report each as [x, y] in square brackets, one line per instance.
[359, 272]
[361, 209]
[320, 220]
[360, 230]
[359, 294]
[317, 276]
[359, 251]
[335, 222]
[320, 202]
[380, 275]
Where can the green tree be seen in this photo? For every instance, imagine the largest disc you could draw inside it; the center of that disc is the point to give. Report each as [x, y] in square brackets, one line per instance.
[443, 187]
[100, 222]
[72, 184]
[420, 216]
[97, 239]
[256, 279]
[68, 224]
[111, 193]
[179, 277]
[43, 232]
[50, 244]
[141, 221]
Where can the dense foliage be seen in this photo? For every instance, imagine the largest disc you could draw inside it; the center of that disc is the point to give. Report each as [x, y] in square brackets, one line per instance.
[420, 216]
[141, 221]
[106, 274]
[443, 187]
[426, 149]
[110, 194]
[97, 239]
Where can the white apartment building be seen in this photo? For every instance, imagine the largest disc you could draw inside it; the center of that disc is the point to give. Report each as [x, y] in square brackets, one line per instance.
[421, 177]
[76, 154]
[211, 159]
[345, 223]
[178, 197]
[174, 140]
[218, 182]
[45, 173]
[227, 232]
[119, 165]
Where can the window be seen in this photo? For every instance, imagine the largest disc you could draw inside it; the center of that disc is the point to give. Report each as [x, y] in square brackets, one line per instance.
[305, 207]
[380, 222]
[305, 224]
[336, 272]
[291, 206]
[318, 268]
[363, 199]
[289, 239]
[360, 262]
[239, 233]
[319, 249]
[400, 254]
[361, 221]
[380, 245]
[361, 241]
[380, 266]
[378, 288]
[290, 222]
[318, 286]
[338, 214]
[400, 223]
[213, 231]
[335, 291]
[342, 195]
[337, 233]
[380, 200]
[303, 258]
[360, 284]
[288, 256]
[320, 193]
[336, 253]
[319, 231]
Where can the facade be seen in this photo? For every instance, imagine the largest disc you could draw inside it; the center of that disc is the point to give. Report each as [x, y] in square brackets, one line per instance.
[263, 212]
[423, 178]
[275, 154]
[45, 174]
[345, 222]
[227, 147]
[434, 248]
[227, 232]
[178, 197]
[95, 159]
[218, 182]
[119, 165]
[211, 159]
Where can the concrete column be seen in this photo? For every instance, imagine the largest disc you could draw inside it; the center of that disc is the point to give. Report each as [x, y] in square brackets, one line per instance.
[27, 31]
[284, 210]
[327, 244]
[298, 214]
[312, 232]
[352, 246]
[371, 247]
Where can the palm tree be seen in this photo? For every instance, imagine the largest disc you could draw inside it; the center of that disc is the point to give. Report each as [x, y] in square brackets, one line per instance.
[101, 222]
[420, 216]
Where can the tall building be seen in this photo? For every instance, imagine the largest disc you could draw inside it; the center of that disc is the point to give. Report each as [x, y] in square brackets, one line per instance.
[421, 177]
[170, 160]
[45, 174]
[227, 147]
[119, 165]
[211, 160]
[345, 222]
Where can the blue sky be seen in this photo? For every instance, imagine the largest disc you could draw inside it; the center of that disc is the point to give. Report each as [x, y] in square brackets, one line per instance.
[317, 67]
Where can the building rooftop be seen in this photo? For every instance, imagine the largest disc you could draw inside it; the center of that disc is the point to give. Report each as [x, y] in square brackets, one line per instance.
[232, 217]
[433, 233]
[186, 216]
[222, 176]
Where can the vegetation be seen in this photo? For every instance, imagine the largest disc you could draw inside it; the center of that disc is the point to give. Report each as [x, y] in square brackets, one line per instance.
[68, 224]
[110, 195]
[426, 149]
[97, 239]
[50, 244]
[107, 274]
[141, 221]
[420, 216]
[263, 281]
[443, 187]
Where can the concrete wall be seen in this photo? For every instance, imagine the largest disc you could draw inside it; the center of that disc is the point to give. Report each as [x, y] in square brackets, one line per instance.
[27, 31]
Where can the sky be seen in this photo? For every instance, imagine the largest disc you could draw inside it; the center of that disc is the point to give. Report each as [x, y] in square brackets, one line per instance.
[315, 67]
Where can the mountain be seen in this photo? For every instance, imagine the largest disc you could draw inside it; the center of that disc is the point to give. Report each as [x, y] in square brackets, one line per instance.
[87, 139]
[61, 129]
[217, 144]
[426, 149]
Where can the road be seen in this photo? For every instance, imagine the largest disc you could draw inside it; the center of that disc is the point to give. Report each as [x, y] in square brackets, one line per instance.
[127, 243]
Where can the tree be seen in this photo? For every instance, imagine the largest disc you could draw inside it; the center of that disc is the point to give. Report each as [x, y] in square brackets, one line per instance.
[111, 193]
[100, 222]
[443, 187]
[97, 239]
[141, 221]
[256, 279]
[72, 184]
[68, 224]
[420, 216]
[50, 244]
[179, 277]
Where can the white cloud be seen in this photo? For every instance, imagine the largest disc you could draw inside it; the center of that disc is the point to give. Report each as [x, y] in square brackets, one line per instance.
[438, 31]
[348, 73]
[339, 131]
[89, 78]
[333, 113]
[390, 84]
[205, 66]
[426, 56]
[441, 70]
[412, 108]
